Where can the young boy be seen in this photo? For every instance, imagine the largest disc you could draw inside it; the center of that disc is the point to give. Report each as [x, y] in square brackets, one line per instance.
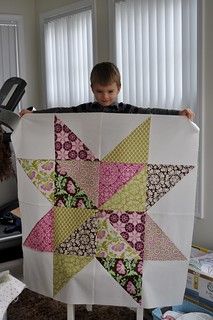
[106, 85]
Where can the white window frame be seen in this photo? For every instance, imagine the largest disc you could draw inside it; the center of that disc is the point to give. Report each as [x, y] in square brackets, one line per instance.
[21, 62]
[200, 107]
[62, 11]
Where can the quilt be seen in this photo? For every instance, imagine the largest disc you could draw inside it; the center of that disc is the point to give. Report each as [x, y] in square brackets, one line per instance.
[107, 203]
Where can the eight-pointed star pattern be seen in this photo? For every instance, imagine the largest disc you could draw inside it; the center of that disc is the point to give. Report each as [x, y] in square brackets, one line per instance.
[100, 208]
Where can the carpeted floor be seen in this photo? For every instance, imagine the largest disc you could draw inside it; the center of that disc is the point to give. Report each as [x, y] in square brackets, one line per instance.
[32, 306]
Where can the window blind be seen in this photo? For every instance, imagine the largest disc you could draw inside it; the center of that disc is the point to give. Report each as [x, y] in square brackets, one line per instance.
[156, 52]
[9, 66]
[68, 58]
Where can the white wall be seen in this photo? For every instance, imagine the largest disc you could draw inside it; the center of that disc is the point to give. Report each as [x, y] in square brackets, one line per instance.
[26, 8]
[203, 230]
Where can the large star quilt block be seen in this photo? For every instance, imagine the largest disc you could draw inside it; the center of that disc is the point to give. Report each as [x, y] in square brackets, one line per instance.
[100, 207]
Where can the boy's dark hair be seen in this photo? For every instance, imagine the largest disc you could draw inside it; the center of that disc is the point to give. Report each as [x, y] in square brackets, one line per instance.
[105, 73]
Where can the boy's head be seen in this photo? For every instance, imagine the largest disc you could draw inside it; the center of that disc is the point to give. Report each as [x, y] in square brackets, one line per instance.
[105, 73]
[105, 83]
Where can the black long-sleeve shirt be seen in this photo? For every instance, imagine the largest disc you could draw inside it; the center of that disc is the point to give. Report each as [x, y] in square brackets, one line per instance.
[115, 108]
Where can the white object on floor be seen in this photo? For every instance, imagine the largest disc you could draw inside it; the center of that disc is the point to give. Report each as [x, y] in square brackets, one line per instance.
[203, 263]
[195, 316]
[186, 316]
[10, 288]
[89, 307]
[173, 314]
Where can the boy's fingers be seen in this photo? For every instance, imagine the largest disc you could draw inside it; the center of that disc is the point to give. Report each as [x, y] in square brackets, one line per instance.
[23, 112]
[188, 113]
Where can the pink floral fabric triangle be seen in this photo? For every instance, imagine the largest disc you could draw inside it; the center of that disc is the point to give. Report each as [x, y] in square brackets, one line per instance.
[41, 236]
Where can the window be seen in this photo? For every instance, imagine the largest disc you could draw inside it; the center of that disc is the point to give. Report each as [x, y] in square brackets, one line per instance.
[11, 47]
[156, 51]
[8, 50]
[155, 46]
[68, 54]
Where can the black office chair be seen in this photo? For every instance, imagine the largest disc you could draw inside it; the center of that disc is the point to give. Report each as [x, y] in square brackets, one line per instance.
[10, 94]
[14, 88]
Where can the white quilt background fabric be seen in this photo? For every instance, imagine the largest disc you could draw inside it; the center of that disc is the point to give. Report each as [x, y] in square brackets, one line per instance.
[170, 141]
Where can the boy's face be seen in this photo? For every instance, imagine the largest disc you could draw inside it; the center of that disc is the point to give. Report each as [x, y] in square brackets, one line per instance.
[105, 94]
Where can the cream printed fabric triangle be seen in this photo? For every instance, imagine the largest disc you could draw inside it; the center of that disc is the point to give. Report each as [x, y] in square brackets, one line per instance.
[157, 245]
[68, 193]
[86, 173]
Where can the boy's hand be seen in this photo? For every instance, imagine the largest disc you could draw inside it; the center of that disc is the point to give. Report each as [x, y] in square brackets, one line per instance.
[24, 111]
[188, 113]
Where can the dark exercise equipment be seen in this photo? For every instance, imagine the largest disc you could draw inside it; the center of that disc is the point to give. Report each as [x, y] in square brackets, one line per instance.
[11, 93]
[12, 90]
